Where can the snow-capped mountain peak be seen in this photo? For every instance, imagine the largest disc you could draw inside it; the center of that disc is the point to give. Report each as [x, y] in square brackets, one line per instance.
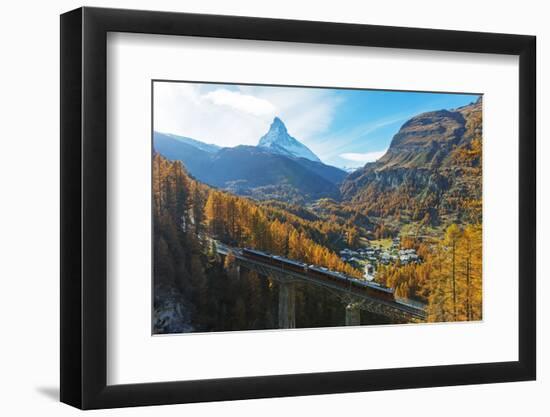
[277, 140]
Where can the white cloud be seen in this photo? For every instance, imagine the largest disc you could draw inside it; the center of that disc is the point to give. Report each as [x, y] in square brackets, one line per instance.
[363, 157]
[240, 115]
[241, 102]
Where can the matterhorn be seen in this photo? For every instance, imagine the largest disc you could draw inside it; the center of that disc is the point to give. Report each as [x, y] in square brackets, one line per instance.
[277, 140]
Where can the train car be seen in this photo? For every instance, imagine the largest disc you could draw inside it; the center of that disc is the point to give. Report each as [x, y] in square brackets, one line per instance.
[377, 289]
[257, 255]
[295, 266]
[338, 278]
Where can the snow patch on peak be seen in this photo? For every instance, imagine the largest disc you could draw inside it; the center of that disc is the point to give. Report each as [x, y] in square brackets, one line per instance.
[277, 140]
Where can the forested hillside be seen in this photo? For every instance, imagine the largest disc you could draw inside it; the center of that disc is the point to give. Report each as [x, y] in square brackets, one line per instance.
[450, 277]
[243, 223]
[190, 279]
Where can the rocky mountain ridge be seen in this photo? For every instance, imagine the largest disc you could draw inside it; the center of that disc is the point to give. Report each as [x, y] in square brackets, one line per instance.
[277, 140]
[432, 167]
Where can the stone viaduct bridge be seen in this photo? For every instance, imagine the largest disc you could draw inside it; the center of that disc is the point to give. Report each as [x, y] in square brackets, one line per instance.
[400, 310]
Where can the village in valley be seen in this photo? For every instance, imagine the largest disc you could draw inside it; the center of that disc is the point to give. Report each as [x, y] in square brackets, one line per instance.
[379, 252]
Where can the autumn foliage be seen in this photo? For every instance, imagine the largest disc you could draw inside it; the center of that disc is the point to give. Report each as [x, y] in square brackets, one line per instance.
[243, 223]
[449, 279]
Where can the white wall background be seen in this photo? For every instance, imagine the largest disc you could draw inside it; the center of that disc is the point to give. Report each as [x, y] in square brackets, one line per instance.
[29, 225]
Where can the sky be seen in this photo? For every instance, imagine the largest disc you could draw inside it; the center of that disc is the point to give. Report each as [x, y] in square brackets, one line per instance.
[344, 128]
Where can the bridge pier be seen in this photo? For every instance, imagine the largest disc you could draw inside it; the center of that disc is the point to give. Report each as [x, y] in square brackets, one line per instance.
[353, 314]
[234, 270]
[287, 305]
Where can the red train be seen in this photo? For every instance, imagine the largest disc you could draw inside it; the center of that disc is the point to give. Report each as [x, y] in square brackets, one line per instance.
[349, 283]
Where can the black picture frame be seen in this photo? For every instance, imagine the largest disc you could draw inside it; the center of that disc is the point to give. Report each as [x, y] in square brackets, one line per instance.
[84, 207]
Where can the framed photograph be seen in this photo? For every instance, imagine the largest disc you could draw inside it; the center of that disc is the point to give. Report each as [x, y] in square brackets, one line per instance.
[257, 207]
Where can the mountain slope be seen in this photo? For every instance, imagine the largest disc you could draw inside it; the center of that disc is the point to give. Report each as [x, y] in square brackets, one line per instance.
[253, 171]
[277, 140]
[425, 140]
[328, 172]
[432, 169]
[168, 138]
[194, 156]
